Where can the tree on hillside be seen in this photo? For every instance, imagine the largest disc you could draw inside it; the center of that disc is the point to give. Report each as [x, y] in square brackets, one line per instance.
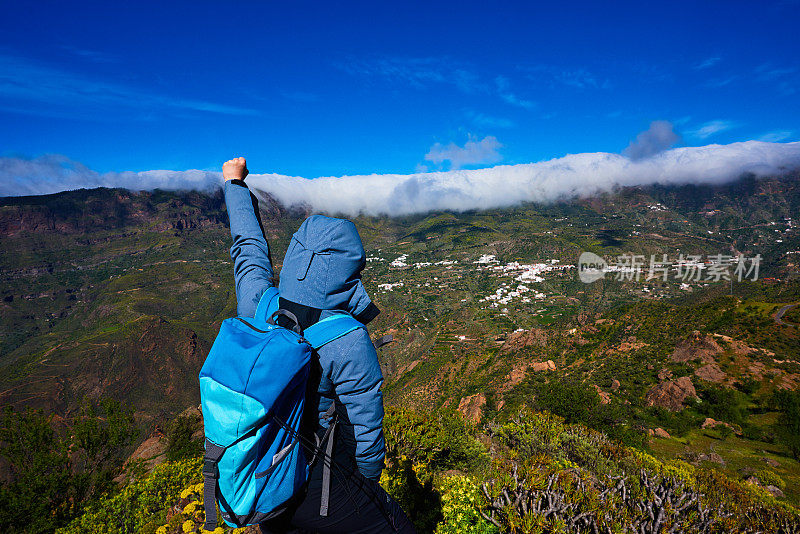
[788, 425]
[100, 433]
[52, 474]
[37, 499]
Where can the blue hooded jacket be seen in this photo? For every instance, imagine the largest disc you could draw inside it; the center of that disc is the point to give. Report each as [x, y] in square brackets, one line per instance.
[322, 271]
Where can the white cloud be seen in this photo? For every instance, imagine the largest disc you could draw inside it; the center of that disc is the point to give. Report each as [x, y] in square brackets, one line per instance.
[709, 62]
[784, 79]
[472, 153]
[53, 173]
[657, 138]
[711, 128]
[572, 176]
[577, 77]
[58, 92]
[576, 175]
[488, 121]
[778, 135]
[767, 72]
[722, 82]
[503, 89]
[415, 71]
[580, 78]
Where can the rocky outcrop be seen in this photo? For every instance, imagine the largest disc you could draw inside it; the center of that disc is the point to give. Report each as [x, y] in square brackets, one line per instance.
[605, 398]
[739, 348]
[535, 337]
[770, 462]
[696, 347]
[472, 406]
[711, 372]
[752, 479]
[672, 394]
[757, 370]
[630, 344]
[151, 452]
[520, 371]
[659, 433]
[710, 422]
[549, 365]
[775, 491]
[516, 376]
[706, 348]
[695, 458]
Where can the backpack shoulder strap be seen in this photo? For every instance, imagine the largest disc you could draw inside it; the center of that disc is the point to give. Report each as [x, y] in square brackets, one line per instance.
[330, 328]
[267, 305]
[210, 480]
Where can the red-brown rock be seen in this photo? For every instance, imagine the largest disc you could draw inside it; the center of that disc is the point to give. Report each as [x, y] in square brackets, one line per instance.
[661, 433]
[671, 394]
[471, 406]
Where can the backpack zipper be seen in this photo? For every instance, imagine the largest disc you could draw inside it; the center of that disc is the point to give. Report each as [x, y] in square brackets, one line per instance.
[251, 326]
[301, 340]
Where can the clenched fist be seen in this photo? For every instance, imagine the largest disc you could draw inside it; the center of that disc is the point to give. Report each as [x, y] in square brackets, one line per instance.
[235, 169]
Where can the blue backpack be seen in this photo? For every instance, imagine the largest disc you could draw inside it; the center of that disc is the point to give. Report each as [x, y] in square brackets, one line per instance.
[252, 389]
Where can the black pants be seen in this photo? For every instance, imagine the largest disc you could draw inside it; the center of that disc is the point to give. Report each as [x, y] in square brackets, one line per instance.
[357, 505]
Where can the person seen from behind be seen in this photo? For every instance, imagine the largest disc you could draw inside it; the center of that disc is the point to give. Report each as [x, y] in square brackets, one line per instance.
[321, 276]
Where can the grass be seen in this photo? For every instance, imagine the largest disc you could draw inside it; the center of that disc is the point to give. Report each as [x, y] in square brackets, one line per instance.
[740, 455]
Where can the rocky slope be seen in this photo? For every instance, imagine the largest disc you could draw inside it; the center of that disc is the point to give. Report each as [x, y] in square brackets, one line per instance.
[115, 293]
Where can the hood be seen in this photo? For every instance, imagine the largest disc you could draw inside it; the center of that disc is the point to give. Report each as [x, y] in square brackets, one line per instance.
[322, 268]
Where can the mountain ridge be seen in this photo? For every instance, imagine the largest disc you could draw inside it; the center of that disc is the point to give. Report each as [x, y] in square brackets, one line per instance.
[116, 231]
[113, 293]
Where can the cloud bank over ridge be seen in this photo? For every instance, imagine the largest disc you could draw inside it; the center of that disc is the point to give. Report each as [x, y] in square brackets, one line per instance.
[53, 173]
[571, 176]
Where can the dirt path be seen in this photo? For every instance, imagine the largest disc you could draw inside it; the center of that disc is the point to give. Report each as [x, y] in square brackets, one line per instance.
[780, 312]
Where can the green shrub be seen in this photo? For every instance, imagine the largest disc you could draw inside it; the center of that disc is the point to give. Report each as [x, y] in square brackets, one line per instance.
[38, 498]
[787, 428]
[723, 404]
[180, 444]
[576, 402]
[462, 503]
[544, 476]
[440, 440]
[411, 484]
[579, 402]
[770, 478]
[53, 474]
[143, 502]
[677, 423]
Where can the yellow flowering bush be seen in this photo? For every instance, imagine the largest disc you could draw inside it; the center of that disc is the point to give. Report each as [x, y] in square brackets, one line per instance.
[544, 476]
[410, 483]
[461, 505]
[192, 515]
[141, 505]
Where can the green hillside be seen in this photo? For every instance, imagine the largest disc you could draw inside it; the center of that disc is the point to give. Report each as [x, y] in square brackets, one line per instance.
[117, 294]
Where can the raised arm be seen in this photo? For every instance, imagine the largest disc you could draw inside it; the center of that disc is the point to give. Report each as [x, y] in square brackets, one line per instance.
[252, 264]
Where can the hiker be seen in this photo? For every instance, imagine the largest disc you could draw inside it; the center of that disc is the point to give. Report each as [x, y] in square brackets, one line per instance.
[321, 274]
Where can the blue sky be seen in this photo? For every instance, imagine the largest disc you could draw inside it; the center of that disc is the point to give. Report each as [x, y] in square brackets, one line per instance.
[328, 88]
